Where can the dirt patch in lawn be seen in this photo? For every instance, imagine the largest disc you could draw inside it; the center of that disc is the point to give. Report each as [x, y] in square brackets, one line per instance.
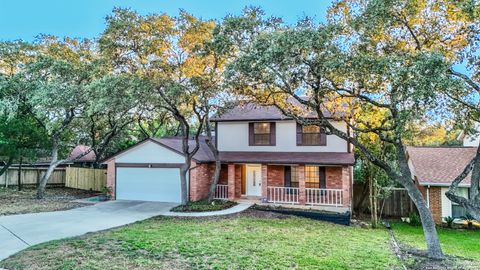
[13, 201]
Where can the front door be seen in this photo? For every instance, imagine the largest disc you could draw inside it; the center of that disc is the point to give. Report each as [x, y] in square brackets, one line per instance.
[254, 180]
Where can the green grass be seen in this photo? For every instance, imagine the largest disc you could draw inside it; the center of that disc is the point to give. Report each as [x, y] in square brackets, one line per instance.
[204, 206]
[249, 241]
[463, 243]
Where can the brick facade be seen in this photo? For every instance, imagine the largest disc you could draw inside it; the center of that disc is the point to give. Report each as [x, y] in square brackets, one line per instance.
[333, 176]
[275, 175]
[200, 179]
[238, 181]
[435, 201]
[272, 175]
[436, 204]
[302, 199]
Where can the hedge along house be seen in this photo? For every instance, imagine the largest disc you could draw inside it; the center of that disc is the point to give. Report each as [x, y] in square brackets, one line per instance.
[266, 157]
[433, 170]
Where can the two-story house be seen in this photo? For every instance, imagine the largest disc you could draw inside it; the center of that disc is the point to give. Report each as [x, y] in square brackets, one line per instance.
[266, 157]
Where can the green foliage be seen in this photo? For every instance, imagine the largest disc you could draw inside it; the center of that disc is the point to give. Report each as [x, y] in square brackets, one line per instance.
[468, 217]
[414, 219]
[204, 206]
[449, 220]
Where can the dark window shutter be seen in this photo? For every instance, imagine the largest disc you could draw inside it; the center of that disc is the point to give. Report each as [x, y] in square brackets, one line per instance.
[273, 134]
[250, 134]
[323, 136]
[322, 180]
[288, 176]
[299, 134]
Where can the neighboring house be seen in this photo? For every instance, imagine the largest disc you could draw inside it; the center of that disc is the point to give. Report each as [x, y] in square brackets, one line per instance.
[433, 170]
[266, 157]
[72, 159]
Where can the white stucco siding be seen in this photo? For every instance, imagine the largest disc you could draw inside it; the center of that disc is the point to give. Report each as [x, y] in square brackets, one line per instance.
[446, 204]
[233, 136]
[473, 139]
[149, 152]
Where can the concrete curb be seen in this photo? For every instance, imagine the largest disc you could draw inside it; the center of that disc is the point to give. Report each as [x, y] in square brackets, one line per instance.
[233, 210]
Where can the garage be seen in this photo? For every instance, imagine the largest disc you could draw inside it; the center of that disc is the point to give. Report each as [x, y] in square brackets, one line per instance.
[148, 171]
[149, 184]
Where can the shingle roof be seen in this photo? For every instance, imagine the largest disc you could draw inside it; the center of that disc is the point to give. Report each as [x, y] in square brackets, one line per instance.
[80, 150]
[251, 111]
[319, 158]
[205, 155]
[175, 143]
[440, 165]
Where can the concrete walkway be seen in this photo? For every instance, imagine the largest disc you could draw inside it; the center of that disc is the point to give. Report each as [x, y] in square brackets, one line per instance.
[18, 232]
[236, 209]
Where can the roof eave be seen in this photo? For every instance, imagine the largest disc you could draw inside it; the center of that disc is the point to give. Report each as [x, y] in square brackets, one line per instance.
[434, 184]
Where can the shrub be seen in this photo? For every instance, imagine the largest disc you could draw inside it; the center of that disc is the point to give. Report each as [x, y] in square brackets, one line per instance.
[204, 206]
[449, 220]
[415, 219]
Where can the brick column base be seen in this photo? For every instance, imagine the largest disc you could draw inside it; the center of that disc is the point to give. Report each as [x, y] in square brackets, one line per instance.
[346, 186]
[264, 181]
[302, 199]
[231, 181]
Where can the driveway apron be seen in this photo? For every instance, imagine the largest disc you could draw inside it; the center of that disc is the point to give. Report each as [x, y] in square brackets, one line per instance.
[17, 232]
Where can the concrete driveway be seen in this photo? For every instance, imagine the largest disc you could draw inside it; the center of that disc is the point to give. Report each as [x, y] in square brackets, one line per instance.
[18, 232]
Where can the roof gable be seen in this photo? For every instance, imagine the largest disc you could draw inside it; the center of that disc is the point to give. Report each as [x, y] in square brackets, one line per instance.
[440, 165]
[149, 151]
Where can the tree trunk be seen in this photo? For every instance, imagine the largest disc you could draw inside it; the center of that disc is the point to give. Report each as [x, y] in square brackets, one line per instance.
[215, 178]
[19, 186]
[184, 169]
[373, 202]
[53, 165]
[429, 229]
[218, 163]
[6, 166]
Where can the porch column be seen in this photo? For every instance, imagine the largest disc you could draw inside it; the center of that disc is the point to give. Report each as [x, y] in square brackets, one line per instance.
[264, 181]
[346, 183]
[302, 199]
[231, 181]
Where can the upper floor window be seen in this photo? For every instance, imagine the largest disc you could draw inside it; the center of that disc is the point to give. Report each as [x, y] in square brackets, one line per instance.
[311, 135]
[262, 133]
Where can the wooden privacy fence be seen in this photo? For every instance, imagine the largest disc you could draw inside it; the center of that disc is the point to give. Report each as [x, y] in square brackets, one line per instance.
[396, 204]
[31, 176]
[86, 178]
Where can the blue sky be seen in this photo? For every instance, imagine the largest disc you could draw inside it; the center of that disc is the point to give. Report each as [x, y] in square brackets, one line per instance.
[21, 19]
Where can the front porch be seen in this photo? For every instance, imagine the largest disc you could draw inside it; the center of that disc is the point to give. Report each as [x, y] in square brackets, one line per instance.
[300, 186]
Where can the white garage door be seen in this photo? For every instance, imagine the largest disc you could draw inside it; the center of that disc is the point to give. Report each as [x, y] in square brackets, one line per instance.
[148, 184]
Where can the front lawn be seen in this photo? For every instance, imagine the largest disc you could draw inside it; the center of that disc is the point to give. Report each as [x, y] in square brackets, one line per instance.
[463, 243]
[204, 206]
[21, 202]
[250, 240]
